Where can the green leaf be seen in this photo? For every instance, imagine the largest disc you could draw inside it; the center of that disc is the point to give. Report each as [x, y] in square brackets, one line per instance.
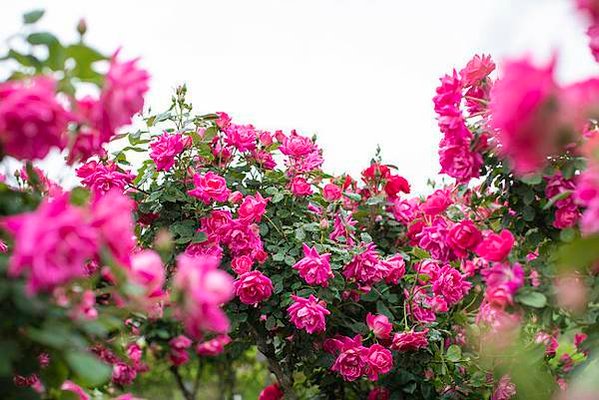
[579, 254]
[454, 353]
[45, 38]
[532, 179]
[556, 198]
[277, 198]
[300, 234]
[567, 235]
[532, 299]
[33, 16]
[88, 367]
[353, 196]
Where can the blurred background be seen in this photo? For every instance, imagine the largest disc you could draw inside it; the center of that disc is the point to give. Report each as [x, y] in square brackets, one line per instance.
[358, 73]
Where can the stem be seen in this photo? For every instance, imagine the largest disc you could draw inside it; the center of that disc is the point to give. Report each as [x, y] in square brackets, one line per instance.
[186, 394]
[273, 364]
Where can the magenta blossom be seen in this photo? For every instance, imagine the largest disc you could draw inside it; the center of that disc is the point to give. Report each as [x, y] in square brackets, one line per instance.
[252, 208]
[209, 187]
[379, 325]
[300, 187]
[52, 244]
[166, 147]
[309, 314]
[366, 267]
[253, 287]
[437, 202]
[31, 119]
[314, 268]
[352, 362]
[462, 237]
[213, 347]
[450, 284]
[379, 361]
[495, 247]
[410, 340]
[102, 178]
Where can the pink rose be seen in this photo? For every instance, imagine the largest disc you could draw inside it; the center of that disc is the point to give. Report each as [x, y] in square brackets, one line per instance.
[309, 314]
[410, 340]
[478, 68]
[437, 202]
[147, 270]
[450, 284]
[166, 147]
[272, 392]
[253, 287]
[31, 119]
[379, 359]
[379, 325]
[123, 93]
[351, 363]
[102, 178]
[396, 267]
[566, 217]
[505, 389]
[396, 184]
[331, 192]
[379, 393]
[296, 145]
[300, 187]
[213, 347]
[242, 264]
[52, 244]
[314, 268]
[123, 374]
[208, 187]
[366, 267]
[242, 137]
[463, 236]
[252, 208]
[495, 247]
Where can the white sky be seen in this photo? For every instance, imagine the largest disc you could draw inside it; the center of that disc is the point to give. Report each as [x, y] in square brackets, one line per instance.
[356, 72]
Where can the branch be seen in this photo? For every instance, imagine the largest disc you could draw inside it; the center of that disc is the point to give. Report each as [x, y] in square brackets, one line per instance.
[186, 394]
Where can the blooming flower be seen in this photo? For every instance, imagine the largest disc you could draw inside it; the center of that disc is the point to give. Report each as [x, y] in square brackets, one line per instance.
[271, 392]
[495, 247]
[379, 360]
[331, 192]
[52, 244]
[314, 268]
[252, 208]
[450, 284]
[309, 314]
[253, 287]
[379, 325]
[178, 350]
[31, 119]
[102, 178]
[209, 187]
[410, 340]
[242, 137]
[504, 390]
[300, 187]
[463, 236]
[503, 281]
[214, 346]
[166, 147]
[351, 363]
[437, 202]
[366, 267]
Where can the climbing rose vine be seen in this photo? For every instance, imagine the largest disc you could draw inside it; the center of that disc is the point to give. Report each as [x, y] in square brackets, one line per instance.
[193, 240]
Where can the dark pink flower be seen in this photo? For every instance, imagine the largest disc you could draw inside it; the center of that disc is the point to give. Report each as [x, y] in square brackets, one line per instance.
[450, 284]
[272, 392]
[166, 147]
[300, 187]
[495, 247]
[309, 314]
[379, 360]
[396, 184]
[366, 267]
[242, 264]
[31, 119]
[463, 236]
[477, 69]
[351, 363]
[505, 389]
[213, 347]
[331, 192]
[379, 325]
[437, 202]
[314, 268]
[396, 268]
[242, 137]
[102, 178]
[252, 208]
[253, 287]
[410, 340]
[209, 187]
[379, 393]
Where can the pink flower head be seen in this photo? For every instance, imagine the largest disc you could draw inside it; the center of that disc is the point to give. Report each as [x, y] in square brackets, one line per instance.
[178, 352]
[331, 192]
[379, 393]
[366, 267]
[102, 178]
[209, 187]
[166, 147]
[272, 392]
[253, 287]
[495, 247]
[31, 119]
[123, 93]
[433, 239]
[396, 267]
[437, 202]
[379, 360]
[352, 362]
[450, 284]
[296, 145]
[300, 187]
[410, 340]
[309, 314]
[505, 389]
[147, 270]
[379, 325]
[523, 115]
[113, 219]
[503, 281]
[123, 374]
[52, 244]
[463, 236]
[242, 264]
[205, 288]
[459, 162]
[213, 347]
[477, 69]
[252, 208]
[314, 268]
[242, 137]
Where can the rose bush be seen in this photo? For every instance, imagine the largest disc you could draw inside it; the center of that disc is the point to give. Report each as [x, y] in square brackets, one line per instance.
[194, 240]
